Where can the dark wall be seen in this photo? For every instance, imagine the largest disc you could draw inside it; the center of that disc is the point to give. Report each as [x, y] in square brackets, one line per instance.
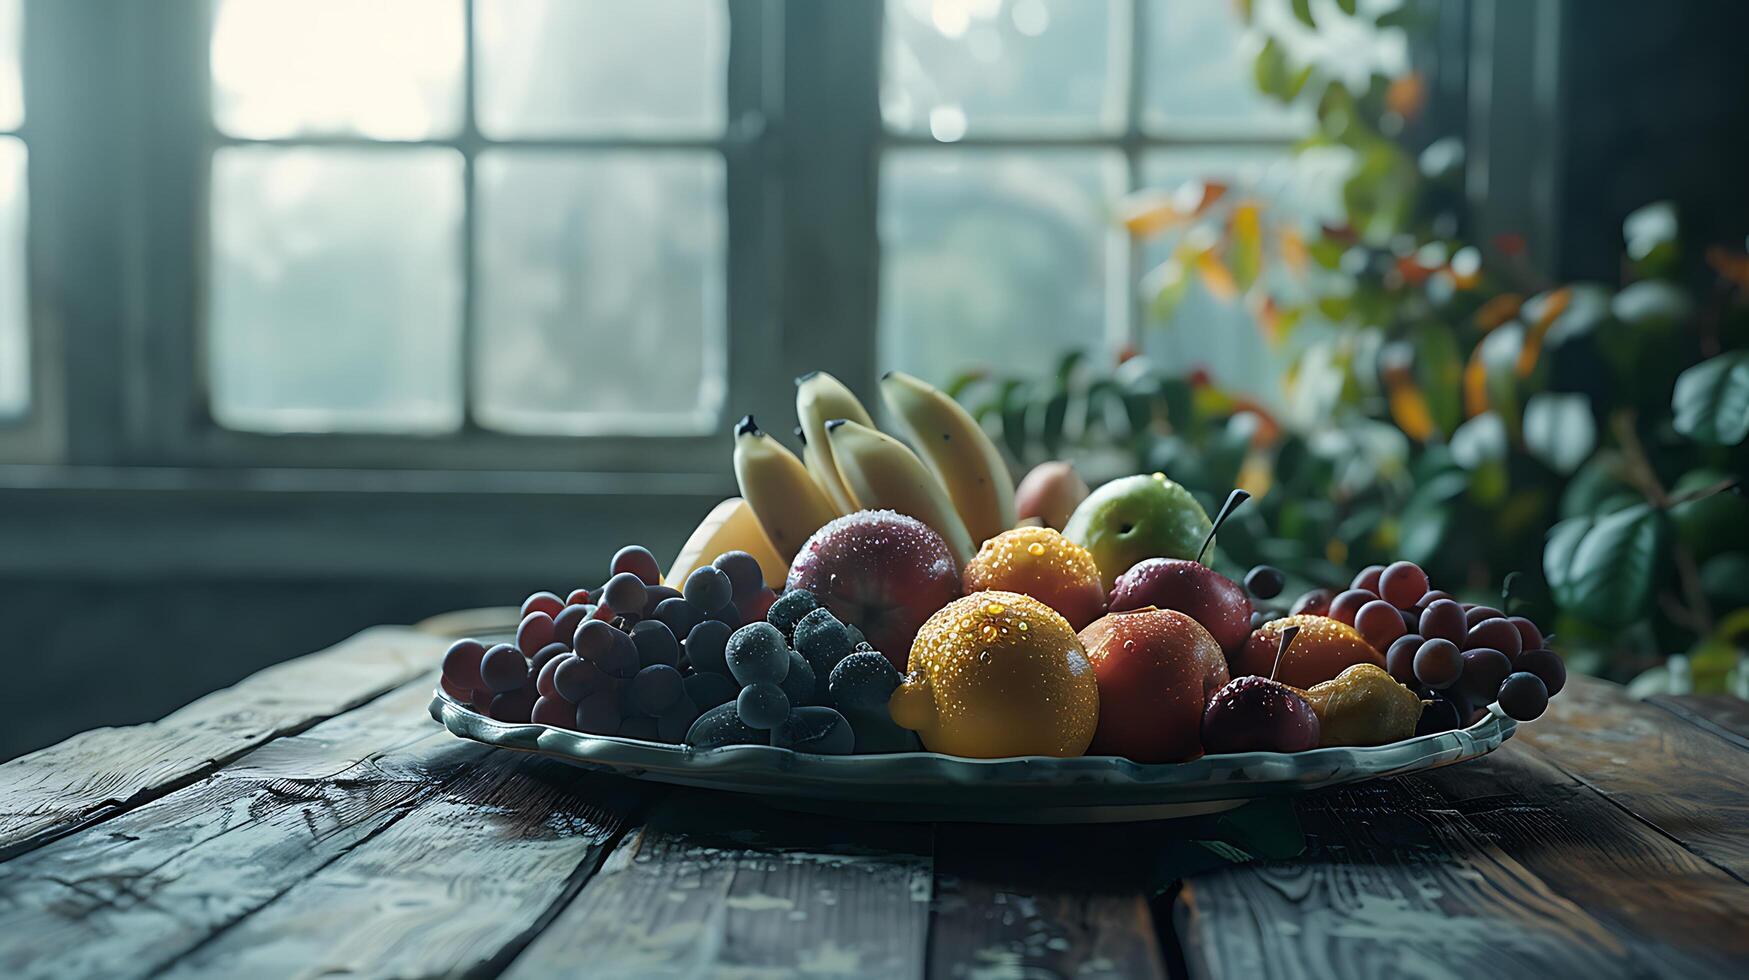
[1657, 107]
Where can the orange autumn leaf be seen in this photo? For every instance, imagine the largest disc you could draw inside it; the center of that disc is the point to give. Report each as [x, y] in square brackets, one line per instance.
[1409, 410]
[1498, 310]
[1552, 307]
[1732, 265]
[1407, 95]
[1293, 249]
[1147, 213]
[1215, 276]
[1475, 385]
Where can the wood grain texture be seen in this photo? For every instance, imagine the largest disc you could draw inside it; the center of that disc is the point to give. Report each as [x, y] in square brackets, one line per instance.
[100, 773]
[1722, 714]
[1690, 783]
[714, 886]
[129, 897]
[1041, 902]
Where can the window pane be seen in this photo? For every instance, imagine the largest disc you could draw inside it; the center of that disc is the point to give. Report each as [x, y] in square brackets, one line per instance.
[336, 294]
[11, 89]
[974, 66]
[997, 257]
[1222, 335]
[386, 69]
[1198, 70]
[552, 68]
[14, 304]
[601, 291]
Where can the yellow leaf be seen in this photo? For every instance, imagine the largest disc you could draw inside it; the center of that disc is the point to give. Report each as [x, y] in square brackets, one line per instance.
[1147, 213]
[1498, 310]
[1215, 276]
[1475, 385]
[1553, 306]
[1246, 253]
[1409, 409]
[1293, 249]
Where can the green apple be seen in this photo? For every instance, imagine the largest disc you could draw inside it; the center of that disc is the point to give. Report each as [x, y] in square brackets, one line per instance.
[1137, 517]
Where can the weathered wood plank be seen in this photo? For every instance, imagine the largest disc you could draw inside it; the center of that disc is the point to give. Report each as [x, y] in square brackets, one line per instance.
[1690, 783]
[100, 773]
[1041, 902]
[714, 886]
[129, 897]
[1724, 715]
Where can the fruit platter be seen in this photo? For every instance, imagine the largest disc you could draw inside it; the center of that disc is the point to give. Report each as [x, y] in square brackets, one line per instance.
[899, 629]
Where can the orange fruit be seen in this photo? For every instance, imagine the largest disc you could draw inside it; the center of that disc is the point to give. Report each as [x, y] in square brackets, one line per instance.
[1324, 648]
[998, 674]
[1040, 562]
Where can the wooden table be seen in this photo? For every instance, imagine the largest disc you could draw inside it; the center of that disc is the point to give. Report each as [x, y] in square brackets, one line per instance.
[313, 820]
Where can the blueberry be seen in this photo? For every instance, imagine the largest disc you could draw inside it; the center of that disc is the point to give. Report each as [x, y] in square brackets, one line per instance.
[704, 647]
[822, 639]
[800, 684]
[863, 680]
[708, 588]
[756, 654]
[720, 726]
[762, 706]
[709, 690]
[818, 730]
[789, 609]
[678, 615]
[656, 643]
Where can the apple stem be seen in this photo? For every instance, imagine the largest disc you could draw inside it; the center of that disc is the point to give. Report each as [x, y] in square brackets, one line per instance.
[1234, 499]
[1287, 639]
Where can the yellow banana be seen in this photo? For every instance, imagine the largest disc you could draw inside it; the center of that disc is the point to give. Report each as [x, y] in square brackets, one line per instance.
[820, 398]
[789, 504]
[730, 526]
[882, 472]
[954, 445]
[817, 467]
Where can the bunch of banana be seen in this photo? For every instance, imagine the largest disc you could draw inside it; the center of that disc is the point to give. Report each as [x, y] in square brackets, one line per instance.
[964, 492]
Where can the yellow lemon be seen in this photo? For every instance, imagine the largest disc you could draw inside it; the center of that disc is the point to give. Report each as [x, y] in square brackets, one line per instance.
[999, 674]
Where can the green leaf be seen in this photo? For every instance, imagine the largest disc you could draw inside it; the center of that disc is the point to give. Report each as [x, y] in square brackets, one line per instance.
[1051, 428]
[1439, 372]
[1559, 430]
[1066, 366]
[1651, 304]
[1711, 402]
[1013, 408]
[1346, 6]
[1303, 10]
[1271, 71]
[956, 386]
[1650, 234]
[1478, 441]
[1601, 568]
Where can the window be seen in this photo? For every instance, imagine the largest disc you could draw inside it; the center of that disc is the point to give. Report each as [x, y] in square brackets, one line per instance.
[421, 223]
[14, 305]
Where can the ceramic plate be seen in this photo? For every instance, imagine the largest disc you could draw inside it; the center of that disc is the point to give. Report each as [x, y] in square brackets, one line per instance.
[1028, 789]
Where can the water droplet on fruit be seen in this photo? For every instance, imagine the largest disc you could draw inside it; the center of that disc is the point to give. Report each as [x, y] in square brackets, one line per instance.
[1035, 549]
[984, 656]
[1021, 626]
[995, 608]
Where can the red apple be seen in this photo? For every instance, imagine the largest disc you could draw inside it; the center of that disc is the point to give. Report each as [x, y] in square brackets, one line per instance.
[880, 571]
[1157, 669]
[1205, 595]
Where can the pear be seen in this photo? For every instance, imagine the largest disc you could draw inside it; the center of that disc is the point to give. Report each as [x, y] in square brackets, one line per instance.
[1364, 705]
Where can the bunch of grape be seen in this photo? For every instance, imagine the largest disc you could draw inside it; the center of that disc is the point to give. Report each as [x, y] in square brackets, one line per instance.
[803, 681]
[1460, 655]
[615, 660]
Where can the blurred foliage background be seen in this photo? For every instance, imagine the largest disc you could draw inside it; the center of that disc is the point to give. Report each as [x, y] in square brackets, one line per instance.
[1572, 449]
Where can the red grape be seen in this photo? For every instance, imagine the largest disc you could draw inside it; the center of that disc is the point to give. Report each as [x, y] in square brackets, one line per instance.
[543, 681]
[541, 602]
[1523, 696]
[503, 669]
[513, 706]
[461, 664]
[637, 560]
[556, 712]
[566, 622]
[461, 694]
[1400, 658]
[577, 678]
[1497, 634]
[579, 597]
[1474, 614]
[754, 607]
[535, 631]
[1344, 606]
[1547, 666]
[1439, 663]
[1379, 622]
[1529, 637]
[1313, 603]
[1484, 669]
[1444, 619]
[1402, 583]
[1368, 578]
[1432, 596]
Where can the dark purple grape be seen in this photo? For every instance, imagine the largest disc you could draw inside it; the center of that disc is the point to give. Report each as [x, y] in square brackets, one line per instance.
[1259, 617]
[1265, 581]
[1439, 663]
[864, 679]
[1432, 596]
[822, 639]
[1529, 637]
[598, 714]
[543, 679]
[1444, 619]
[625, 593]
[729, 616]
[1313, 603]
[705, 647]
[789, 609]
[673, 724]
[1484, 669]
[1411, 620]
[1344, 606]
[763, 706]
[1523, 696]
[641, 728]
[654, 596]
[1475, 614]
[655, 689]
[746, 578]
[541, 602]
[799, 684]
[1380, 623]
[566, 622]
[1401, 583]
[637, 560]
[1496, 634]
[1547, 666]
[513, 706]
[679, 615]
[709, 690]
[461, 664]
[720, 726]
[576, 679]
[504, 669]
[819, 730]
[556, 712]
[708, 588]
[756, 654]
[546, 654]
[1368, 579]
[535, 631]
[609, 648]
[656, 644]
[593, 638]
[1400, 658]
